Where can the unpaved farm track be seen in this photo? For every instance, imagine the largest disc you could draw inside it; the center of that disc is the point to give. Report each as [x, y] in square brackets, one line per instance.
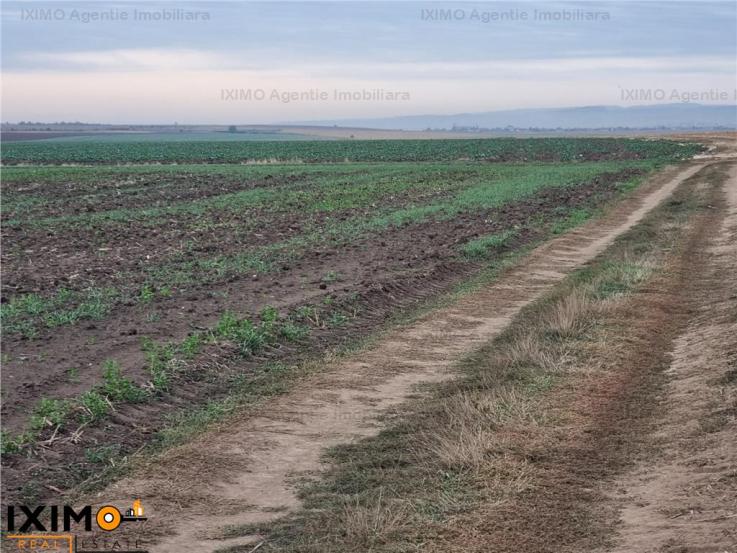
[683, 498]
[243, 473]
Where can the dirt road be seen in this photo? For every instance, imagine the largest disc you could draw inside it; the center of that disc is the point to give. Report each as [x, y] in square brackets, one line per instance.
[683, 497]
[244, 472]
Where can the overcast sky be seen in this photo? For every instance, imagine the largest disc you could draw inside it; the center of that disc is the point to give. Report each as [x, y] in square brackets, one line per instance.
[196, 62]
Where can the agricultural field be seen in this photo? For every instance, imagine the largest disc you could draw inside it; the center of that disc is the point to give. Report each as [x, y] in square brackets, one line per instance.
[143, 302]
[368, 277]
[117, 151]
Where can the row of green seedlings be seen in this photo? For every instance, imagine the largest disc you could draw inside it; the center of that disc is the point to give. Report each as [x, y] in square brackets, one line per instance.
[89, 406]
[484, 246]
[163, 361]
[488, 245]
[26, 314]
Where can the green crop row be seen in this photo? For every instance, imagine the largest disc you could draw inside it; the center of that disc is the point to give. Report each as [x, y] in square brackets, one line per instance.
[163, 360]
[305, 193]
[493, 149]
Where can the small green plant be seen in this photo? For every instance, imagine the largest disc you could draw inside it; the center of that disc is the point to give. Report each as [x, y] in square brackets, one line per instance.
[330, 277]
[102, 454]
[226, 325]
[153, 317]
[10, 444]
[293, 331]
[269, 320]
[146, 294]
[191, 345]
[249, 337]
[116, 386]
[95, 405]
[269, 314]
[160, 379]
[73, 374]
[49, 412]
[337, 319]
[159, 357]
[305, 313]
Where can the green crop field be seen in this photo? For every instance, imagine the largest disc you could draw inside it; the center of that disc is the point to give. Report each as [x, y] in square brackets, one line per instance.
[502, 149]
[153, 284]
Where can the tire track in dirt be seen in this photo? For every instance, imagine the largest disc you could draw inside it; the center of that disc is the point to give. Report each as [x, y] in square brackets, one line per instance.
[244, 473]
[684, 499]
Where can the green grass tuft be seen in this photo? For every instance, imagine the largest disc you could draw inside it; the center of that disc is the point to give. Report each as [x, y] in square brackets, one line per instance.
[117, 387]
[480, 248]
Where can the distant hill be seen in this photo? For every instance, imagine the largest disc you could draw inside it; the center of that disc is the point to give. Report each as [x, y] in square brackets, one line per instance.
[669, 116]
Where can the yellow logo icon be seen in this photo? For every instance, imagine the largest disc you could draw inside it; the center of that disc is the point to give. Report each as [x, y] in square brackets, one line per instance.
[109, 518]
